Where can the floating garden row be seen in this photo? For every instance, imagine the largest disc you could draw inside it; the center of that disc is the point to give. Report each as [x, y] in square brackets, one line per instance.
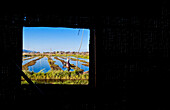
[56, 75]
[52, 64]
[72, 65]
[25, 67]
[28, 58]
[85, 63]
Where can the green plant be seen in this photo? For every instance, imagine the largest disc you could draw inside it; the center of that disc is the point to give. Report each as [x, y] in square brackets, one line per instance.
[73, 77]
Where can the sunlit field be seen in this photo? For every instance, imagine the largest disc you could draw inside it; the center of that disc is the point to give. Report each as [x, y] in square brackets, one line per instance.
[50, 59]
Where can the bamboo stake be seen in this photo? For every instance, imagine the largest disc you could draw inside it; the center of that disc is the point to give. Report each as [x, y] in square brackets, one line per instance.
[79, 48]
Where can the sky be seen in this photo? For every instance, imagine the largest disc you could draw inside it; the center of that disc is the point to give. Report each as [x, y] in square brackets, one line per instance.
[47, 39]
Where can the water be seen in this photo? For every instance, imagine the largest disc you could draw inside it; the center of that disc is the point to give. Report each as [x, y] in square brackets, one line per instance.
[60, 64]
[26, 57]
[87, 60]
[39, 65]
[26, 61]
[43, 64]
[85, 68]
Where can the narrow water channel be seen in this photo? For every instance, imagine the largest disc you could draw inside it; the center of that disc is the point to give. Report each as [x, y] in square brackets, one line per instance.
[57, 62]
[43, 64]
[26, 61]
[39, 65]
[85, 68]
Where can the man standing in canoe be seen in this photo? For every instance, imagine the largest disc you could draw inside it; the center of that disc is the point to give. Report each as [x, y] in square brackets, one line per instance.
[68, 64]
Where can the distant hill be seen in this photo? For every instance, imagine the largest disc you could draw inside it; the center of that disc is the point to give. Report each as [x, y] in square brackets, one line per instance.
[27, 51]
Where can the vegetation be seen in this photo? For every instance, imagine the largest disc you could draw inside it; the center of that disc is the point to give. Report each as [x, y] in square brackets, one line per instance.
[52, 64]
[60, 55]
[57, 77]
[62, 61]
[85, 62]
[66, 55]
[28, 58]
[25, 67]
[72, 65]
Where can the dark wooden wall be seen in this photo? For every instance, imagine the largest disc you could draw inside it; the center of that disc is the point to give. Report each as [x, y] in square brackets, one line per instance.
[132, 59]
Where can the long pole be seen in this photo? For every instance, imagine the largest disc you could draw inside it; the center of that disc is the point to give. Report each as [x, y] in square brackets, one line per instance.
[79, 48]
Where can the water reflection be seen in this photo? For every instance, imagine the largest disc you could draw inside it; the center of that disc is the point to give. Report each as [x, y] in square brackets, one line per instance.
[39, 65]
[85, 68]
[43, 64]
[87, 60]
[26, 61]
